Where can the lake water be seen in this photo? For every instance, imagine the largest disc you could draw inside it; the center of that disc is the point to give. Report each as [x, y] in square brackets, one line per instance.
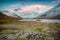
[43, 20]
[50, 20]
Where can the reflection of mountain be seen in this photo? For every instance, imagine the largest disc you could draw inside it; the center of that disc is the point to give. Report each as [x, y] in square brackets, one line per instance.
[5, 18]
[54, 13]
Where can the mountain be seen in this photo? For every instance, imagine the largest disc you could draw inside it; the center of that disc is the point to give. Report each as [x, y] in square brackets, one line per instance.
[53, 13]
[4, 18]
[17, 9]
[11, 13]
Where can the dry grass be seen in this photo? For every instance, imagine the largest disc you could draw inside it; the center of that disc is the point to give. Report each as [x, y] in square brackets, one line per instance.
[29, 25]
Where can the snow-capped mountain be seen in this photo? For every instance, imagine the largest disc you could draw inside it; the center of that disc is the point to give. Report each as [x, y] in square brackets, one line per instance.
[53, 13]
[16, 14]
[11, 13]
[4, 18]
[17, 9]
[31, 11]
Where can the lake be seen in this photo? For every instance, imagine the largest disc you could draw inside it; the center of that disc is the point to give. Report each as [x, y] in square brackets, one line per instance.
[43, 20]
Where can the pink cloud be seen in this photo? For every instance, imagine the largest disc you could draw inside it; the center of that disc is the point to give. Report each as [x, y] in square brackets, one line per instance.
[33, 8]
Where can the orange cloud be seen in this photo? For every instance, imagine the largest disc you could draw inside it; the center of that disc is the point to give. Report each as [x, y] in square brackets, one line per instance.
[33, 8]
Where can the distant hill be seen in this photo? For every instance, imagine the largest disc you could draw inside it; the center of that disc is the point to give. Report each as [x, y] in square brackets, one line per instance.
[4, 18]
[53, 13]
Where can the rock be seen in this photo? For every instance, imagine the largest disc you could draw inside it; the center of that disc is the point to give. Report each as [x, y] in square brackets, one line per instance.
[50, 33]
[31, 35]
[35, 37]
[7, 37]
[3, 37]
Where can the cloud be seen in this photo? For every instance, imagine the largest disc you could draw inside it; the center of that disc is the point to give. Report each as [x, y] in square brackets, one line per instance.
[11, 11]
[33, 8]
[55, 2]
[58, 0]
[14, 6]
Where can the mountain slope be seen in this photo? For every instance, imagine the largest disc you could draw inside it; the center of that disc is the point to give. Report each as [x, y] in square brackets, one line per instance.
[4, 18]
[11, 13]
[53, 13]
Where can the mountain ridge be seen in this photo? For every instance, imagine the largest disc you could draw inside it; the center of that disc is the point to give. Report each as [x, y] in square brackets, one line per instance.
[4, 18]
[52, 13]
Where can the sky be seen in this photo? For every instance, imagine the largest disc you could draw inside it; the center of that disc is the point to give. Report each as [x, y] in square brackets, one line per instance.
[27, 8]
